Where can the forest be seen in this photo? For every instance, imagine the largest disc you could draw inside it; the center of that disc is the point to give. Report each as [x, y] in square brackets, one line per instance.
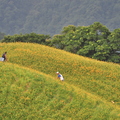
[95, 41]
[50, 16]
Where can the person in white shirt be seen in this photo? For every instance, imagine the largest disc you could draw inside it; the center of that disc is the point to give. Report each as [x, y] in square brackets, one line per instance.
[59, 76]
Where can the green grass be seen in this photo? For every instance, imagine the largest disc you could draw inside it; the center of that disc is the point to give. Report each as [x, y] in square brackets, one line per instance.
[28, 94]
[30, 89]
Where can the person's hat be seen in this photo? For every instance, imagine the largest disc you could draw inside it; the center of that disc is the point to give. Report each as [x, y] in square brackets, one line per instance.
[57, 72]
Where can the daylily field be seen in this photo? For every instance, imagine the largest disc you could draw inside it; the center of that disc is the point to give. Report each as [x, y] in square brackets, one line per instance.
[30, 90]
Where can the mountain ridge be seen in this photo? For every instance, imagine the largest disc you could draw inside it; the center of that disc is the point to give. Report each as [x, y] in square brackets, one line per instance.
[49, 17]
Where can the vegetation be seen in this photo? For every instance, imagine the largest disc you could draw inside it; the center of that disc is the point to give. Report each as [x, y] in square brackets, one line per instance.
[94, 41]
[2, 35]
[49, 16]
[29, 94]
[90, 90]
[32, 38]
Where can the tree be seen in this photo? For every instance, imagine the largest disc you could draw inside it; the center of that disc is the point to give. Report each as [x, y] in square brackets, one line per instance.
[68, 28]
[94, 41]
[32, 38]
[114, 43]
[58, 41]
[96, 44]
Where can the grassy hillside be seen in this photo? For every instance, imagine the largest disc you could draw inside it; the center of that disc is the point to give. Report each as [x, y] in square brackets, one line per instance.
[89, 88]
[28, 94]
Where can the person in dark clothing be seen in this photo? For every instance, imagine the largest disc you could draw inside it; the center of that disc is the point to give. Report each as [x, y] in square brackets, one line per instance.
[4, 56]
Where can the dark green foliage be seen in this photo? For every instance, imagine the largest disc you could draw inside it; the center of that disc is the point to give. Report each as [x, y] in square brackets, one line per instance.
[115, 45]
[94, 41]
[58, 41]
[32, 38]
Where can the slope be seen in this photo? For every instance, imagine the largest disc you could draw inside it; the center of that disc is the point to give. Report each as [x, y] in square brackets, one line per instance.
[50, 16]
[28, 94]
[96, 77]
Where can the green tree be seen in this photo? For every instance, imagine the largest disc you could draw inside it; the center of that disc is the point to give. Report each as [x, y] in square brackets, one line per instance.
[96, 44]
[32, 37]
[94, 41]
[58, 41]
[68, 28]
[114, 43]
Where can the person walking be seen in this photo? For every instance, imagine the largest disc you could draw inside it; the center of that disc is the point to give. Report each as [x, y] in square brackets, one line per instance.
[4, 56]
[60, 76]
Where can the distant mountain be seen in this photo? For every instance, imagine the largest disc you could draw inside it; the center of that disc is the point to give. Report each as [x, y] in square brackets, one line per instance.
[50, 16]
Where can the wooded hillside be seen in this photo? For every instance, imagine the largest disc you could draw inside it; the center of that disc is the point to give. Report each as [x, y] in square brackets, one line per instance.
[50, 16]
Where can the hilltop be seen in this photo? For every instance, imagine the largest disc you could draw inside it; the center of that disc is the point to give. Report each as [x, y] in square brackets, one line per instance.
[89, 89]
[50, 16]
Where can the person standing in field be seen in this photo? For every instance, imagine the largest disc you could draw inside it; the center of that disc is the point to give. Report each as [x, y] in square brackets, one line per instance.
[4, 56]
[59, 76]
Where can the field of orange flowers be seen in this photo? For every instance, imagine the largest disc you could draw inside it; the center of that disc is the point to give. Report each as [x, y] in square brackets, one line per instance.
[92, 77]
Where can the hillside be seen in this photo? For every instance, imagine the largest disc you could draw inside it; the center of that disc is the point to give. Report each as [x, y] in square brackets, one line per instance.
[30, 89]
[50, 16]
[28, 94]
[97, 77]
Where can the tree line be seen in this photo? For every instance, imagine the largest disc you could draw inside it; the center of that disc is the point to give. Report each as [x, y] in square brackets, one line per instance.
[95, 41]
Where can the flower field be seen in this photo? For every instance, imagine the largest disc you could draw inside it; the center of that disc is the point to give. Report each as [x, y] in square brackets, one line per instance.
[30, 89]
